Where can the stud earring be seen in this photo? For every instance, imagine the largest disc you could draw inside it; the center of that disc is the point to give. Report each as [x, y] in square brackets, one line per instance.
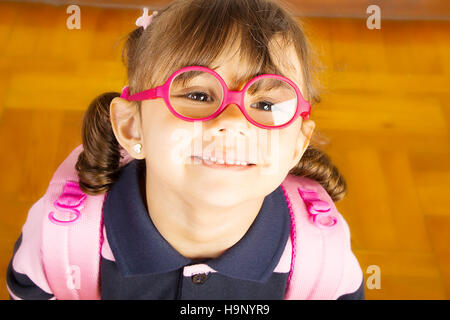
[137, 148]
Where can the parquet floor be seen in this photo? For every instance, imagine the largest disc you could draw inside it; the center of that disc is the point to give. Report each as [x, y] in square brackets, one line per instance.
[385, 115]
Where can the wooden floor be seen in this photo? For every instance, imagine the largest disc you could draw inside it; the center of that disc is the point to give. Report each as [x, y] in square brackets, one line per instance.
[385, 113]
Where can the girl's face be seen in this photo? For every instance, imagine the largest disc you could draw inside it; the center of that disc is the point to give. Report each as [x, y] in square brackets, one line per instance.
[170, 143]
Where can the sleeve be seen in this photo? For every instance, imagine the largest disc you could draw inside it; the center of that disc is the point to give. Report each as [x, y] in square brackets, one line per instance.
[25, 277]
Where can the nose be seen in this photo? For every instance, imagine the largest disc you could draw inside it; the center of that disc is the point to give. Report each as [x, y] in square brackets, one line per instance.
[231, 121]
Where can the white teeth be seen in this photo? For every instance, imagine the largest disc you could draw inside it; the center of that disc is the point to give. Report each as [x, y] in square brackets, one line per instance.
[220, 161]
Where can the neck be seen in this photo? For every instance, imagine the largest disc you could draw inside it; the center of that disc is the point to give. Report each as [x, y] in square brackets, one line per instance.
[194, 228]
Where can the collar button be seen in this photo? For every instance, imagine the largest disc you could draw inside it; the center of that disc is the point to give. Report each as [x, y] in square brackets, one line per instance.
[199, 278]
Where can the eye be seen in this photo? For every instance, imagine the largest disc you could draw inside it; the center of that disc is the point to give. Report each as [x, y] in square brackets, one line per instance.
[199, 96]
[263, 106]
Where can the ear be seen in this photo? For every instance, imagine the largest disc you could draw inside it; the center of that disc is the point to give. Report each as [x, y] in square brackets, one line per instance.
[125, 121]
[303, 140]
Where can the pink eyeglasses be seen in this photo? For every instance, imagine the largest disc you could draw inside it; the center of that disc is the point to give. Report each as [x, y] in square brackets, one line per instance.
[197, 93]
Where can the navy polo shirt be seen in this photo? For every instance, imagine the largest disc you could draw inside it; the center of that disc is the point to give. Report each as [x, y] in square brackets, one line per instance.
[146, 266]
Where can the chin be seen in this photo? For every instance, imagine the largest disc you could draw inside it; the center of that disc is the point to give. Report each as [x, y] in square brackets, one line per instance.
[220, 196]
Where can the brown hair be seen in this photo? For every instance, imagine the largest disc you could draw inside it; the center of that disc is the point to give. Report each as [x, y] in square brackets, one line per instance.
[196, 32]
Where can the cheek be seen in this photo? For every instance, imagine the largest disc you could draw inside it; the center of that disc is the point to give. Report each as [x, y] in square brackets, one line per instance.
[283, 144]
[166, 139]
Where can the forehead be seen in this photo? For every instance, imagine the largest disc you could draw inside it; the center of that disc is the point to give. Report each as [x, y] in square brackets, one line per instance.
[236, 72]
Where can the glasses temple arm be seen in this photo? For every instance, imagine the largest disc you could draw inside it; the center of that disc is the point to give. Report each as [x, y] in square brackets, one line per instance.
[143, 95]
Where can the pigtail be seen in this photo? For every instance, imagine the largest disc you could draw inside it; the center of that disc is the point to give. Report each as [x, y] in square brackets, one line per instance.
[98, 163]
[315, 164]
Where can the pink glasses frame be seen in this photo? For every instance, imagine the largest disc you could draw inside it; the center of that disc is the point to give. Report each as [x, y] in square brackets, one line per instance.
[229, 97]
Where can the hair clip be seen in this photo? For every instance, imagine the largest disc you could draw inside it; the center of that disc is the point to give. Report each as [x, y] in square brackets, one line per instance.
[145, 19]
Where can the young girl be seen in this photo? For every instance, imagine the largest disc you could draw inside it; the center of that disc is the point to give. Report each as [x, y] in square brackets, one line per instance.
[194, 206]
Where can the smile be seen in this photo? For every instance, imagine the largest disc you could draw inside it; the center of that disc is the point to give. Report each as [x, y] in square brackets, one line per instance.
[215, 163]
